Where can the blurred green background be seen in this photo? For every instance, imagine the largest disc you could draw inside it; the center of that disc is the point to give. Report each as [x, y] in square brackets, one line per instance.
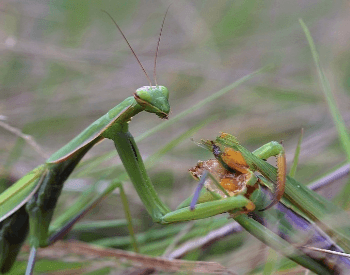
[64, 64]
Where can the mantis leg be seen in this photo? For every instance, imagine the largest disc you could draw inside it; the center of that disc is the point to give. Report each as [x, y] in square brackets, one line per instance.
[208, 209]
[131, 158]
[132, 161]
[58, 234]
[42, 205]
[13, 233]
[62, 225]
[275, 149]
[235, 157]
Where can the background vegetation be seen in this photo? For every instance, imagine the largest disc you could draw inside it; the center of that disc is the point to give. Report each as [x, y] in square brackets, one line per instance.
[63, 65]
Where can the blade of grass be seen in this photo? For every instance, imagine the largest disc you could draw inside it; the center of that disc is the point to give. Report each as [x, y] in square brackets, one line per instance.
[337, 118]
[274, 241]
[203, 102]
[129, 218]
[271, 264]
[104, 224]
[293, 169]
[343, 199]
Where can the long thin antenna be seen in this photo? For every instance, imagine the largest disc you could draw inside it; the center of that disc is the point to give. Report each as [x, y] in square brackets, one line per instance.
[155, 58]
[115, 23]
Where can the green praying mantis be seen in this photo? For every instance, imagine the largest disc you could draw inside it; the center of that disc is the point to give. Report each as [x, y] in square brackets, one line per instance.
[36, 193]
[29, 204]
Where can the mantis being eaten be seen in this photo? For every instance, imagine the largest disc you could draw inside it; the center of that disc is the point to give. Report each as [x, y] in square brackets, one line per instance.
[231, 175]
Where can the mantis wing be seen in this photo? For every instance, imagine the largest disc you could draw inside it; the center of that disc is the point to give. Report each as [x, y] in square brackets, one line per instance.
[19, 193]
[92, 133]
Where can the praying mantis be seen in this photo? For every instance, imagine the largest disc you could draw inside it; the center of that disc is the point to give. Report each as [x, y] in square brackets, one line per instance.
[27, 206]
[30, 202]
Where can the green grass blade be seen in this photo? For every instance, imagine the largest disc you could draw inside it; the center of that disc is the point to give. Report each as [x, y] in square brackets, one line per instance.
[274, 241]
[296, 155]
[271, 262]
[343, 199]
[337, 118]
[202, 103]
[152, 160]
[129, 218]
[105, 224]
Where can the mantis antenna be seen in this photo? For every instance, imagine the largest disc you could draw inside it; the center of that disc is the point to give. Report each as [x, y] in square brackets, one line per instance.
[155, 58]
[126, 40]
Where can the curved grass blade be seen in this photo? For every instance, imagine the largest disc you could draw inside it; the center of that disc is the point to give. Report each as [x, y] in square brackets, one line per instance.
[333, 107]
[293, 169]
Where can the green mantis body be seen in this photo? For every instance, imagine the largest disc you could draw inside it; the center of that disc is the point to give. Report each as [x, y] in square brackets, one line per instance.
[39, 190]
[29, 204]
[47, 176]
[33, 198]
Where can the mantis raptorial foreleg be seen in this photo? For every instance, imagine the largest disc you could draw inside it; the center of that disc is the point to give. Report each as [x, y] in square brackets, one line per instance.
[13, 232]
[235, 172]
